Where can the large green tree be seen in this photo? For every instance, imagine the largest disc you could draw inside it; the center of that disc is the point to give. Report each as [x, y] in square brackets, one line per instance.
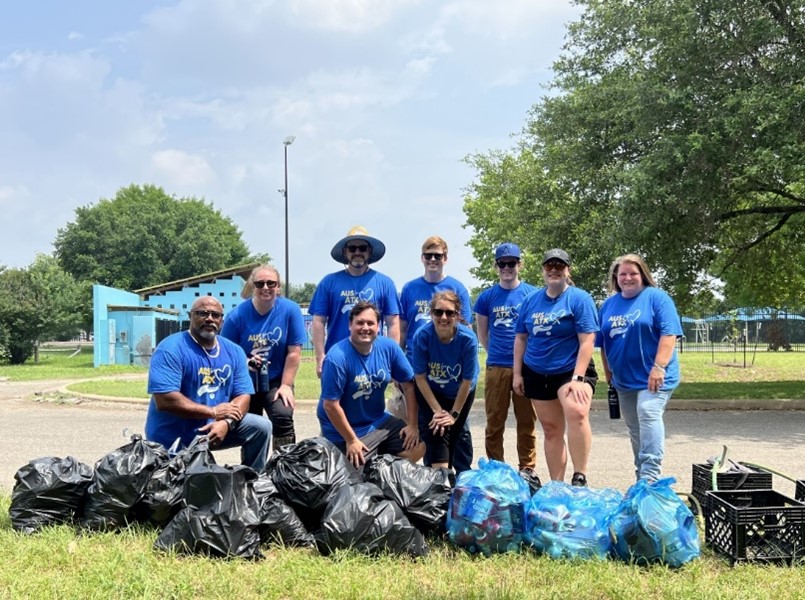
[144, 237]
[674, 129]
[38, 303]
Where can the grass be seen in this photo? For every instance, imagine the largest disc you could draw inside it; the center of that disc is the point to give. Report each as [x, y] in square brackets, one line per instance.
[59, 563]
[774, 375]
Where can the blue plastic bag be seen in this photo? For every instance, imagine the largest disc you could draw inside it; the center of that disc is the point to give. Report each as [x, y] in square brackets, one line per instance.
[653, 525]
[487, 509]
[571, 522]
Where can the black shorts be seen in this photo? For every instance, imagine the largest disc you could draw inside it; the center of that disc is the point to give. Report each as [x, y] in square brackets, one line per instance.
[539, 386]
[385, 439]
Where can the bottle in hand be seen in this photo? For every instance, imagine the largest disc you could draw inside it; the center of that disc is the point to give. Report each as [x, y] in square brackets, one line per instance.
[614, 404]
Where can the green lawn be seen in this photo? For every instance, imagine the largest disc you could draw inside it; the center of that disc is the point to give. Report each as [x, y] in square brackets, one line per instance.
[774, 375]
[58, 563]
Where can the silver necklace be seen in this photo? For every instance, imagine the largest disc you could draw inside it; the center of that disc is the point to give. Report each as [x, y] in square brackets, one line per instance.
[215, 351]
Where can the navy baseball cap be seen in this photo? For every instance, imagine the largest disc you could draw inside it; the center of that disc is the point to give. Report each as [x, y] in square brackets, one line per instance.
[507, 250]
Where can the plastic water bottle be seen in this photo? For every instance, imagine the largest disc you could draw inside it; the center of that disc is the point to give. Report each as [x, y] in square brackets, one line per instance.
[614, 403]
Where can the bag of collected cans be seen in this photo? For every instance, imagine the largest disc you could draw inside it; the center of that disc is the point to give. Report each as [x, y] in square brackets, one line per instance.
[563, 521]
[487, 509]
[653, 525]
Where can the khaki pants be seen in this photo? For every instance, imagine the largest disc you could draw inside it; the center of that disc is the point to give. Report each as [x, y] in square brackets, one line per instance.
[498, 396]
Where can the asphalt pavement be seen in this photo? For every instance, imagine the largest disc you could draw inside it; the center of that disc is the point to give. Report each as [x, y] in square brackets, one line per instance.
[37, 422]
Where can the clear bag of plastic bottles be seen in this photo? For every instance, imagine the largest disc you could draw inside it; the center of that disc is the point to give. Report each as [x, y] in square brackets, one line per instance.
[571, 522]
[652, 524]
[487, 509]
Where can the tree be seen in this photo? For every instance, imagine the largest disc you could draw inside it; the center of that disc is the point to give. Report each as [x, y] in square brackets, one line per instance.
[144, 237]
[301, 294]
[674, 130]
[38, 303]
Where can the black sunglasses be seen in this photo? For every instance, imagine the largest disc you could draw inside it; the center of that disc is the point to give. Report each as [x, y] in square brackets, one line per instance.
[441, 312]
[266, 284]
[208, 313]
[556, 265]
[433, 255]
[361, 248]
[507, 263]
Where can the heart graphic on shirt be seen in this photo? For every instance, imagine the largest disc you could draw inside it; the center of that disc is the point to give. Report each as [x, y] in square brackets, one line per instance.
[366, 295]
[274, 336]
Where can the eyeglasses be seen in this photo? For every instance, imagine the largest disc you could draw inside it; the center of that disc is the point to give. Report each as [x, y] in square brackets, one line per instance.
[267, 283]
[556, 265]
[433, 255]
[208, 313]
[441, 312]
[361, 248]
[507, 263]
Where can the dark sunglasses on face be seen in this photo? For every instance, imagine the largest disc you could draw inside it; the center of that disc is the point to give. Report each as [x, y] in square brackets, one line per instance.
[507, 263]
[208, 313]
[433, 255]
[441, 312]
[267, 283]
[361, 248]
[556, 265]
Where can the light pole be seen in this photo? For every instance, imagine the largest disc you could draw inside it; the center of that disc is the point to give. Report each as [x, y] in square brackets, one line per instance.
[287, 142]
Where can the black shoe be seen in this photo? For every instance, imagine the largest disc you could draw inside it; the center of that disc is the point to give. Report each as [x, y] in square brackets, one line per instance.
[579, 480]
[531, 478]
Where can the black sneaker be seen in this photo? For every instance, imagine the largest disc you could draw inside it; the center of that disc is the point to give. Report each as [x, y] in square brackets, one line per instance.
[579, 480]
[531, 478]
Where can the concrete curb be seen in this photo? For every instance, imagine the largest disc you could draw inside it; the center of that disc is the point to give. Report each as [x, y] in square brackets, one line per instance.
[723, 404]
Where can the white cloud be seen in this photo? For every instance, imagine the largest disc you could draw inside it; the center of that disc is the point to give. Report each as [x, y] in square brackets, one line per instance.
[74, 36]
[183, 169]
[348, 15]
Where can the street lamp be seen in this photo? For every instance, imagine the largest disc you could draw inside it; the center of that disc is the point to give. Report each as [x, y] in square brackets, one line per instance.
[287, 142]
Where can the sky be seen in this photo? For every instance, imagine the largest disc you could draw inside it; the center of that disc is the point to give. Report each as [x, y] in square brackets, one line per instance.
[385, 98]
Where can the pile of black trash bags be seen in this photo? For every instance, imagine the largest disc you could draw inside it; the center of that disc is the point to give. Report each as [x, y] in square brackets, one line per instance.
[309, 496]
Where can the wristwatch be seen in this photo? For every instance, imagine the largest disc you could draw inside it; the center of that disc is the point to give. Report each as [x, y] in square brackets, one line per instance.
[577, 378]
[454, 414]
[230, 422]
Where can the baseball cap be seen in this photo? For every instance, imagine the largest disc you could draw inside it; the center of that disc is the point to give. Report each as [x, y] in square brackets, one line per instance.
[507, 250]
[558, 254]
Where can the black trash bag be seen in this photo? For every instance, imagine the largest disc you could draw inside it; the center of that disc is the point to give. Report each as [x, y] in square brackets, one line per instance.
[360, 518]
[118, 483]
[48, 491]
[306, 475]
[221, 517]
[164, 493]
[279, 523]
[423, 493]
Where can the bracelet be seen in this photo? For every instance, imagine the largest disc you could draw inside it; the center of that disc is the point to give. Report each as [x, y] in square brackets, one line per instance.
[656, 366]
[215, 413]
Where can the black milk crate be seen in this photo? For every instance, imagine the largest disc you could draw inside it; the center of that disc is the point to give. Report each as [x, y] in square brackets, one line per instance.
[799, 494]
[755, 526]
[703, 482]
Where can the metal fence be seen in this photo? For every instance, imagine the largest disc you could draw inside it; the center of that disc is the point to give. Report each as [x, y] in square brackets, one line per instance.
[744, 329]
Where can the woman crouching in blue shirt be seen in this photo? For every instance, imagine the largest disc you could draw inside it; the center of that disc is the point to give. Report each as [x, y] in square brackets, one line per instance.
[639, 328]
[445, 361]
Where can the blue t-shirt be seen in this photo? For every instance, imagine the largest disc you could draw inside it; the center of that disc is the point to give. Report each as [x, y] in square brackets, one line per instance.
[553, 325]
[502, 307]
[446, 365]
[415, 303]
[179, 364]
[268, 335]
[359, 382]
[338, 292]
[630, 335]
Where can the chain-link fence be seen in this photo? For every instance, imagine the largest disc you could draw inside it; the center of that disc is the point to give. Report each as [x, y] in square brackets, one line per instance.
[756, 330]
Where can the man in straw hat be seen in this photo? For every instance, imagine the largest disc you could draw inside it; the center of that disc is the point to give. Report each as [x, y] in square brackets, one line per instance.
[338, 292]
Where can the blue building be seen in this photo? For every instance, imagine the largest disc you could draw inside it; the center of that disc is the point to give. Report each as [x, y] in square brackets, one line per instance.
[128, 325]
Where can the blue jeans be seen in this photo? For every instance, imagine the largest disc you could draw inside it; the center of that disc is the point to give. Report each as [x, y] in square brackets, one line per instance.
[252, 434]
[643, 411]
